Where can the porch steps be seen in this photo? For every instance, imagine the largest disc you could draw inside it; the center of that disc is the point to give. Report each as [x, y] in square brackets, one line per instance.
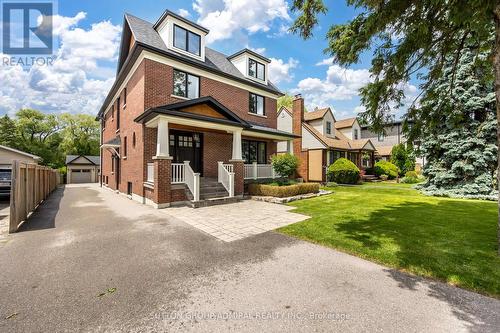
[370, 178]
[211, 193]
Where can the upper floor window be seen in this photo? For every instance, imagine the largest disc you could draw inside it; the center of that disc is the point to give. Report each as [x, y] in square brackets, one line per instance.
[328, 127]
[256, 70]
[257, 104]
[118, 113]
[124, 96]
[356, 135]
[125, 147]
[381, 137]
[186, 85]
[187, 40]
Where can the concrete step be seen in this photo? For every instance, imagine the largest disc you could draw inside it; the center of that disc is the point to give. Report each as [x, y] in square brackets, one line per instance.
[213, 202]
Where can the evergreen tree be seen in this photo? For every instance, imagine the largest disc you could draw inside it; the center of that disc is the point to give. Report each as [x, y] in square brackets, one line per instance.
[8, 132]
[456, 123]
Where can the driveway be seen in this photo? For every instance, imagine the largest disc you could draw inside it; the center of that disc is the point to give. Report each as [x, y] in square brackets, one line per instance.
[92, 260]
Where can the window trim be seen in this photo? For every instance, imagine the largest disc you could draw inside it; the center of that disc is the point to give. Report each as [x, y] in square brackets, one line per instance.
[186, 84]
[250, 104]
[187, 40]
[329, 127]
[257, 63]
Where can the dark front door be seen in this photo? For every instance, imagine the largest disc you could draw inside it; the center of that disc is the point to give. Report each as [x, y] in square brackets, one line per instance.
[187, 146]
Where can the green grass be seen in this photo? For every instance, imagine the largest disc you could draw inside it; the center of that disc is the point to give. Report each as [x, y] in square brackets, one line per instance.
[446, 239]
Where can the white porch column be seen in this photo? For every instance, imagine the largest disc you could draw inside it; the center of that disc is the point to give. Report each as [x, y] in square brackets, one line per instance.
[237, 156]
[162, 144]
[289, 147]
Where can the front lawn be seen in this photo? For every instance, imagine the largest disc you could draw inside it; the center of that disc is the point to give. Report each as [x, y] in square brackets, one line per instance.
[447, 239]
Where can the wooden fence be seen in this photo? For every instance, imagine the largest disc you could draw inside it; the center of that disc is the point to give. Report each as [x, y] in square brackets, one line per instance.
[31, 184]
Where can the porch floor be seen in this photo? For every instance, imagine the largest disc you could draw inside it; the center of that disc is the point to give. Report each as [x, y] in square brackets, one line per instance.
[237, 220]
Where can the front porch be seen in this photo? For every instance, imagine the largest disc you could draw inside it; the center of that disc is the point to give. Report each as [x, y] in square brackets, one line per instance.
[201, 159]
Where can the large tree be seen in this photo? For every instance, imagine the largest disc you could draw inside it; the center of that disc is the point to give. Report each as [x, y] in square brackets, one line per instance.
[407, 37]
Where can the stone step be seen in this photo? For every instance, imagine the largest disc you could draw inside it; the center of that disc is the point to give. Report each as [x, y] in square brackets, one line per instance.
[213, 202]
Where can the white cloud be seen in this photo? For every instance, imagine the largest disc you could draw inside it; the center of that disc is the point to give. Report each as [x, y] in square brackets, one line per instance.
[226, 17]
[339, 84]
[76, 82]
[259, 50]
[183, 12]
[280, 71]
[327, 61]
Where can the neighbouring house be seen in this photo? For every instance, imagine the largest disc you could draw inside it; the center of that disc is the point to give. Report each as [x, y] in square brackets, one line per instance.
[7, 155]
[183, 122]
[82, 169]
[384, 142]
[320, 142]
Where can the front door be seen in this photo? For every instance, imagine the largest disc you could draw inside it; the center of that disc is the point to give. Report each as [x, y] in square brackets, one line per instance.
[187, 146]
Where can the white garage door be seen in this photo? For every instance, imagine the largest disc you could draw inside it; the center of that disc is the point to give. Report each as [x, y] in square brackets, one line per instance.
[80, 176]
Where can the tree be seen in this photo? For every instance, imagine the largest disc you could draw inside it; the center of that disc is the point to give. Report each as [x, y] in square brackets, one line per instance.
[285, 165]
[402, 156]
[286, 101]
[8, 132]
[80, 134]
[459, 137]
[409, 37]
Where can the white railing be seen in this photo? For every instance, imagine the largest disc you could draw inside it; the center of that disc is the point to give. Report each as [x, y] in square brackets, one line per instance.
[178, 173]
[192, 180]
[226, 177]
[151, 173]
[258, 171]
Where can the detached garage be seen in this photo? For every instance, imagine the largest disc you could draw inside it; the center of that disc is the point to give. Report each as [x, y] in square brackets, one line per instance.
[82, 169]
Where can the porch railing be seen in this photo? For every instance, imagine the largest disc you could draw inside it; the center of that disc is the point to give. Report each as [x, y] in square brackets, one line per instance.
[178, 173]
[151, 173]
[192, 180]
[226, 177]
[259, 171]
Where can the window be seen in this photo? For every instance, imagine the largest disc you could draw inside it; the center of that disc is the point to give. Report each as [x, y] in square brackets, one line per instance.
[328, 127]
[381, 137]
[125, 147]
[356, 136]
[186, 85]
[256, 70]
[187, 40]
[133, 140]
[254, 151]
[103, 123]
[113, 111]
[257, 104]
[124, 96]
[334, 155]
[118, 113]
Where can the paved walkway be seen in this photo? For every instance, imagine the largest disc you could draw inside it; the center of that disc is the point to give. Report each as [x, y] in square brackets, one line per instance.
[237, 221]
[93, 261]
[4, 219]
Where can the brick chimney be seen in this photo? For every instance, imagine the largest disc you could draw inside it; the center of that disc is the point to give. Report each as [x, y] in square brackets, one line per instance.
[298, 118]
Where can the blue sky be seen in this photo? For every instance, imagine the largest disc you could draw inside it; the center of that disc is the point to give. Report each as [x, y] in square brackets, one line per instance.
[88, 32]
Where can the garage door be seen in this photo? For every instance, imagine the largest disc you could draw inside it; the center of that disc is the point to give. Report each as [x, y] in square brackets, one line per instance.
[80, 176]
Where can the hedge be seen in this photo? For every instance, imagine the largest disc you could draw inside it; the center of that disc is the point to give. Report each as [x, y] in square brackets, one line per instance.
[343, 171]
[282, 191]
[386, 168]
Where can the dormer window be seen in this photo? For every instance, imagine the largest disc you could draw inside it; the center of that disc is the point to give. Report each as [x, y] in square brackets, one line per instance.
[256, 69]
[328, 127]
[187, 40]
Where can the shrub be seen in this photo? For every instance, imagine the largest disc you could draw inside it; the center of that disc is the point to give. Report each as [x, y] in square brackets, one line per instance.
[282, 191]
[331, 184]
[411, 174]
[386, 168]
[285, 164]
[343, 171]
[383, 177]
[402, 156]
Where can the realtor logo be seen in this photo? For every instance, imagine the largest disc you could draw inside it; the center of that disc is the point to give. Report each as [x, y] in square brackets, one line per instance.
[27, 27]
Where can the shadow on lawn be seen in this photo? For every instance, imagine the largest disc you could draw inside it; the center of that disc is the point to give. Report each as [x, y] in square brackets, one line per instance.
[417, 236]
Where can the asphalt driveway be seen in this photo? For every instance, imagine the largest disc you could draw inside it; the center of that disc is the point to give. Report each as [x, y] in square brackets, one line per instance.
[92, 260]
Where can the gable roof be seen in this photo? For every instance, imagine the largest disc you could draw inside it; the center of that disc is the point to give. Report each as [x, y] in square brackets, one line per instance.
[175, 109]
[345, 123]
[180, 18]
[96, 160]
[146, 37]
[316, 114]
[35, 157]
[340, 141]
[255, 54]
[285, 109]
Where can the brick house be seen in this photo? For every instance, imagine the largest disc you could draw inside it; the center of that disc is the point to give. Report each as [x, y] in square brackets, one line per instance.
[321, 140]
[183, 122]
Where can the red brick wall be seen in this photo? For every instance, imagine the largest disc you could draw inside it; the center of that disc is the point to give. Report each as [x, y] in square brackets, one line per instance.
[297, 120]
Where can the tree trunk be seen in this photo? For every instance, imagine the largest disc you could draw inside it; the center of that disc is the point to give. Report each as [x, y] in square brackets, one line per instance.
[496, 65]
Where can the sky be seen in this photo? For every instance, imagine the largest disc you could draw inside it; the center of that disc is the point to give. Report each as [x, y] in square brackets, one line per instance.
[88, 37]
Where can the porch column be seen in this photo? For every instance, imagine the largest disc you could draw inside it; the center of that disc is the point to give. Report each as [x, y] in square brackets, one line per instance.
[289, 147]
[162, 139]
[237, 156]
